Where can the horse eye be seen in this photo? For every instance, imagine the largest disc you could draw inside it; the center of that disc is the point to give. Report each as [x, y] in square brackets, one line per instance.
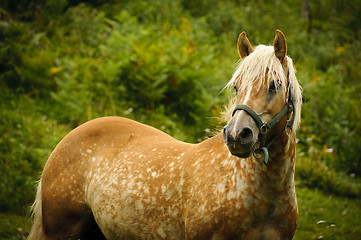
[272, 87]
[235, 88]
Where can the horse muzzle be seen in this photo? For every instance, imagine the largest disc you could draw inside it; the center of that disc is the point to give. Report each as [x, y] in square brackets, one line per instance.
[240, 140]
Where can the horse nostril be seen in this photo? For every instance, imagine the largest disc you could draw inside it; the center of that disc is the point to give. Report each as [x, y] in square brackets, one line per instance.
[246, 135]
[225, 135]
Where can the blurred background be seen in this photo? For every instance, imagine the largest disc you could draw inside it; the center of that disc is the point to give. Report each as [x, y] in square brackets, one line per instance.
[165, 63]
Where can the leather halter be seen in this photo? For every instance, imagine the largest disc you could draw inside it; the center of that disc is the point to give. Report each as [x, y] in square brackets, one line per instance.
[264, 127]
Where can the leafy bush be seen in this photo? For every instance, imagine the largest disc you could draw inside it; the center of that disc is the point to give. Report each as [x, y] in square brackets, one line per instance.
[135, 66]
[26, 142]
[328, 119]
[315, 174]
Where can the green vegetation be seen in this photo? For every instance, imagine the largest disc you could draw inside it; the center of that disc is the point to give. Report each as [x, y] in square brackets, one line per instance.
[327, 217]
[14, 227]
[164, 63]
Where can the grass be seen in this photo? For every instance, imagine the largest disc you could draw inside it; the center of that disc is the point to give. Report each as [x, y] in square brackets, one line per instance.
[13, 227]
[321, 216]
[324, 216]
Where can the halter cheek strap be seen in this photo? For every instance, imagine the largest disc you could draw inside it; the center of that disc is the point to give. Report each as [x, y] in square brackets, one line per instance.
[264, 127]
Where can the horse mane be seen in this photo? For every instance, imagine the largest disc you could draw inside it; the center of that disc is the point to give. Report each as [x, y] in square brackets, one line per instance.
[253, 70]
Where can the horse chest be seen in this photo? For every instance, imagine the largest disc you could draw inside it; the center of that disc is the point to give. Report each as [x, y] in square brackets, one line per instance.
[240, 204]
[248, 217]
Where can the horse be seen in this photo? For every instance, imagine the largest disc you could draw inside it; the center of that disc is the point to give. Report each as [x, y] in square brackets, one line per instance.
[115, 178]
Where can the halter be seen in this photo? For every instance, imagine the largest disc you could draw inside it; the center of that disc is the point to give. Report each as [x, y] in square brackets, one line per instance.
[264, 127]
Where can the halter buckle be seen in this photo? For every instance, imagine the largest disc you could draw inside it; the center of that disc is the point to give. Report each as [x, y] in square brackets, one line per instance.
[264, 128]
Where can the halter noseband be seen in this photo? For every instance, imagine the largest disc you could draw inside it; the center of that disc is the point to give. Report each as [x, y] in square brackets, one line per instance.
[264, 127]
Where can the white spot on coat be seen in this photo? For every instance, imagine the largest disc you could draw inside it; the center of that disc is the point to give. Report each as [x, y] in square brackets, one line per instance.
[161, 232]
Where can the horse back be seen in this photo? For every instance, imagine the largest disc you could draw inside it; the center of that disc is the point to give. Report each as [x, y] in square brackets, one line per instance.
[107, 137]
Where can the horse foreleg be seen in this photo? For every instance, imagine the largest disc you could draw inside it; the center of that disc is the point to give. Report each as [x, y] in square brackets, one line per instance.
[64, 224]
[63, 218]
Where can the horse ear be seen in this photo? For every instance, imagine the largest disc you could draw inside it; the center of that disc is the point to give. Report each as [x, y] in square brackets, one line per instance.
[279, 45]
[244, 46]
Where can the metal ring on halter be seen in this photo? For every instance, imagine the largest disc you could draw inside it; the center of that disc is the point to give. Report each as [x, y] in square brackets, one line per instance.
[265, 154]
[257, 154]
[288, 129]
[264, 128]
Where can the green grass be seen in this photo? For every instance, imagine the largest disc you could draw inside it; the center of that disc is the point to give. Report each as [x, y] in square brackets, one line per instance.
[324, 216]
[13, 227]
[321, 216]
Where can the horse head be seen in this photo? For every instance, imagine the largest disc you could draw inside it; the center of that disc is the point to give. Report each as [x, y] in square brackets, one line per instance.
[267, 97]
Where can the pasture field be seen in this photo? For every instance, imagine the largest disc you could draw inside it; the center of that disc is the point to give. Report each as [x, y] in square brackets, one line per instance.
[324, 216]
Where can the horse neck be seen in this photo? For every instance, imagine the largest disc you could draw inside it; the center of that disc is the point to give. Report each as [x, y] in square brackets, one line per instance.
[281, 166]
[277, 175]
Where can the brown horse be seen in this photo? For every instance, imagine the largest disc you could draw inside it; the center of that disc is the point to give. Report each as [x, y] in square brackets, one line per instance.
[114, 178]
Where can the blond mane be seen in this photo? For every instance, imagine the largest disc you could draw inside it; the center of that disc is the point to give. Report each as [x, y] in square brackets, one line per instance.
[252, 71]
